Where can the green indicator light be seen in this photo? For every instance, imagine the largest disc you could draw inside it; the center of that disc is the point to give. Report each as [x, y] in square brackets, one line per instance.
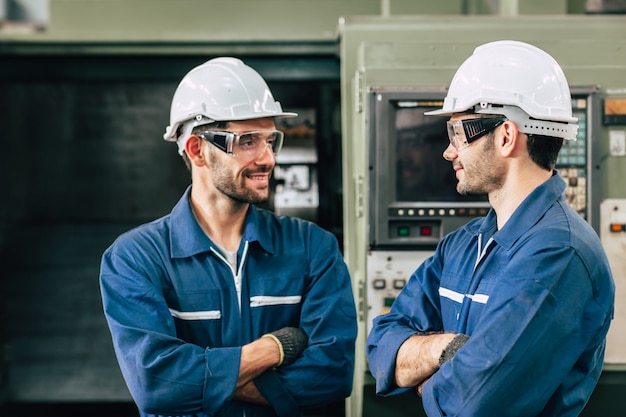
[403, 231]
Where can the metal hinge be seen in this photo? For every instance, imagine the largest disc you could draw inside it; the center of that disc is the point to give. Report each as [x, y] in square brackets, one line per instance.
[358, 201]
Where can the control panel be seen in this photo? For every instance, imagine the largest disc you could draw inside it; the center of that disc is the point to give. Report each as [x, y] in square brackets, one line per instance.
[387, 274]
[428, 224]
[613, 236]
[573, 163]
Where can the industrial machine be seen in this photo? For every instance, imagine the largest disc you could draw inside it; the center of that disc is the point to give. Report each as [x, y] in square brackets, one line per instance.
[399, 192]
[295, 182]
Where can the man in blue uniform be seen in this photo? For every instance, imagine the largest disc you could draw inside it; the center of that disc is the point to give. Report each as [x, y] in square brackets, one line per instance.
[509, 317]
[222, 308]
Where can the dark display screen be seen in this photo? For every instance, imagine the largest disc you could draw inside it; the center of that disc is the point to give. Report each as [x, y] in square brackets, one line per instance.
[422, 174]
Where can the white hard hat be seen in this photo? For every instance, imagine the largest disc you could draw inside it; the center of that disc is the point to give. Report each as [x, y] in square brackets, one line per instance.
[517, 80]
[221, 89]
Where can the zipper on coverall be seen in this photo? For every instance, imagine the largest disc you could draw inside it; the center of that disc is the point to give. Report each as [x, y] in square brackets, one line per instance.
[471, 288]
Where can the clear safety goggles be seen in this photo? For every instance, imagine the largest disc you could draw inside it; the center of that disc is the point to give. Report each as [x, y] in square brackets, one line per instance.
[246, 146]
[464, 132]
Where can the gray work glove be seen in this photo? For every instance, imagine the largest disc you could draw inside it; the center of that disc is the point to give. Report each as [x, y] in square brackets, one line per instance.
[291, 342]
[452, 348]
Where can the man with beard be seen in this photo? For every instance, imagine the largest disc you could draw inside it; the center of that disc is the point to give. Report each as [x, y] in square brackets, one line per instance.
[220, 307]
[509, 317]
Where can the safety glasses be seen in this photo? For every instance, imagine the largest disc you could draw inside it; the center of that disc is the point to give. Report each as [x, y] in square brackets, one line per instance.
[464, 132]
[246, 146]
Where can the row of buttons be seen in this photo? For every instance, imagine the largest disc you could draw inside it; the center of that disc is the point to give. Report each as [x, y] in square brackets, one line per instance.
[381, 283]
[442, 212]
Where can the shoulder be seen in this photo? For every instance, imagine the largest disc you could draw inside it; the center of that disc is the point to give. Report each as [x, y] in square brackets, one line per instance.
[286, 234]
[288, 225]
[562, 225]
[153, 235]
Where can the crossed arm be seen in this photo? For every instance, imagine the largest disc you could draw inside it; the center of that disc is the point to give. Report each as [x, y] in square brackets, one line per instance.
[420, 356]
[256, 358]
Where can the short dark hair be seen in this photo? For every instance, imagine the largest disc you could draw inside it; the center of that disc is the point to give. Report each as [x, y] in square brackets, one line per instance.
[544, 150]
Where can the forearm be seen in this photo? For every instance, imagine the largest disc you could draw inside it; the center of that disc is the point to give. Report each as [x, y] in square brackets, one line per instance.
[279, 348]
[418, 358]
[249, 393]
[256, 358]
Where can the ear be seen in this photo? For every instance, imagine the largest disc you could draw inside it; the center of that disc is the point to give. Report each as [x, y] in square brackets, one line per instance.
[509, 140]
[193, 149]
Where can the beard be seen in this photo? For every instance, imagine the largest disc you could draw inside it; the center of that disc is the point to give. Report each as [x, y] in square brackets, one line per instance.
[227, 184]
[483, 173]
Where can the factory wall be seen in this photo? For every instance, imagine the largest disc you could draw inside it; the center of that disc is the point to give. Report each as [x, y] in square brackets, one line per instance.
[85, 88]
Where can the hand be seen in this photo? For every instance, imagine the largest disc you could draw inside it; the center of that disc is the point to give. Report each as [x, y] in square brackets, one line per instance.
[421, 355]
[452, 348]
[420, 388]
[291, 342]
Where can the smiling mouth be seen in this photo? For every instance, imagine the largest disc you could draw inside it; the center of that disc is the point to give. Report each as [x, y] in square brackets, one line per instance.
[457, 169]
[259, 177]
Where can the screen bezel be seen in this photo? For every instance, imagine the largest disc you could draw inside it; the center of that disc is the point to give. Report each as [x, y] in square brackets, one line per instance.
[384, 204]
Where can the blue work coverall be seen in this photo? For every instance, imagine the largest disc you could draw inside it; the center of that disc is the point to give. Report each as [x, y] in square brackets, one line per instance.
[178, 317]
[536, 299]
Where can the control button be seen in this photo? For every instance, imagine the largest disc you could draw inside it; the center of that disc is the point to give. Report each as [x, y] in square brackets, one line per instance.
[426, 231]
[411, 212]
[404, 231]
[431, 212]
[389, 301]
[452, 212]
[379, 284]
[398, 284]
[442, 212]
[421, 212]
[400, 212]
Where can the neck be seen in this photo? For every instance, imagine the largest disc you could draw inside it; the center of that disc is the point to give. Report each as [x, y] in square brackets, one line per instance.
[221, 218]
[518, 185]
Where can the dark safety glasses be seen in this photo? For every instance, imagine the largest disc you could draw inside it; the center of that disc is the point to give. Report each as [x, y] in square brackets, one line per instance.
[246, 146]
[464, 132]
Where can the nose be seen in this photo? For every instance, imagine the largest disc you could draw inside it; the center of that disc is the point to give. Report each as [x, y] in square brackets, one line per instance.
[266, 155]
[450, 154]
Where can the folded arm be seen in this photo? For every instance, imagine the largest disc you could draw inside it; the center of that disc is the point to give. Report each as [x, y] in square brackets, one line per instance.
[420, 356]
